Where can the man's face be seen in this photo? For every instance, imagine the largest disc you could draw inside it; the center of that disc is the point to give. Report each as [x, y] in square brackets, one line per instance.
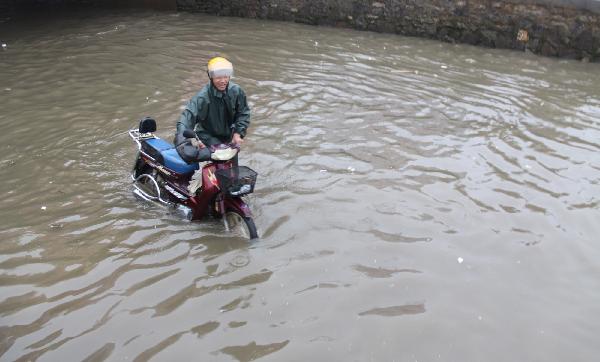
[220, 83]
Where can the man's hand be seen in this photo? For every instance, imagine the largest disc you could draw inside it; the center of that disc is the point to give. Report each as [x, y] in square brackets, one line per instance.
[237, 139]
[197, 143]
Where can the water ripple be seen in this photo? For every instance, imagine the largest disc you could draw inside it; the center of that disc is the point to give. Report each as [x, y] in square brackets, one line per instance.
[382, 159]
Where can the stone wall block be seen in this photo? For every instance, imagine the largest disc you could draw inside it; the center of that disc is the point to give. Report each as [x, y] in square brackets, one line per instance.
[583, 40]
[187, 5]
[569, 28]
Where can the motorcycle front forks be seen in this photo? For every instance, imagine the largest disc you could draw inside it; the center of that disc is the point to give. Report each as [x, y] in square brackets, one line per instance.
[220, 206]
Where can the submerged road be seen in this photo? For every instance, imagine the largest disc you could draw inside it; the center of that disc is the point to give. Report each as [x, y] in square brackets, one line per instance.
[417, 200]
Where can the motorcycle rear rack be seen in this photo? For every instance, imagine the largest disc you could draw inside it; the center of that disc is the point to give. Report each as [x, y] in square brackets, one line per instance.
[137, 136]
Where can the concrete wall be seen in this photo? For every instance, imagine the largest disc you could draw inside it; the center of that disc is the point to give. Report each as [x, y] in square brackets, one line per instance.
[564, 28]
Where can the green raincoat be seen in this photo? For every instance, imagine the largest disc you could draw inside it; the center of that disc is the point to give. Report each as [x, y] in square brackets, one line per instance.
[215, 116]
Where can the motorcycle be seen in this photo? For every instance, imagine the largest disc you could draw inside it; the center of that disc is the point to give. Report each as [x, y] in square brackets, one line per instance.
[161, 175]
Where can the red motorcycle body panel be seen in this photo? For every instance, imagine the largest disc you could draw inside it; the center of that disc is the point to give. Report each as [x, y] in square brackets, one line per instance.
[207, 201]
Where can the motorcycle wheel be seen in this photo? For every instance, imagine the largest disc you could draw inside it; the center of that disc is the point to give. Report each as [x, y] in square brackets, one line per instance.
[240, 225]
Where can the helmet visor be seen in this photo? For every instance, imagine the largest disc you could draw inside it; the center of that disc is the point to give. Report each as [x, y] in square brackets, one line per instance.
[223, 72]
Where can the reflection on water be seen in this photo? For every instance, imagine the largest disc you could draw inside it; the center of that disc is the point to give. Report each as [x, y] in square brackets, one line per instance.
[417, 200]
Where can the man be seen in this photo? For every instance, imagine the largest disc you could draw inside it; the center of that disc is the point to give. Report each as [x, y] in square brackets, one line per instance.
[218, 113]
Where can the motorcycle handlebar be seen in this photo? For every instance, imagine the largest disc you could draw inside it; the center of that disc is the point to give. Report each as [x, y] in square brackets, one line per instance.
[188, 133]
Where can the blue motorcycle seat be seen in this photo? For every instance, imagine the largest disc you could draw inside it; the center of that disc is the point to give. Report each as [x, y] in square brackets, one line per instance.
[170, 157]
[176, 163]
[159, 144]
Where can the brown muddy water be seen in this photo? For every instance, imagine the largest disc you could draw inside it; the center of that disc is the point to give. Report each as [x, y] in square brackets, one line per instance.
[417, 201]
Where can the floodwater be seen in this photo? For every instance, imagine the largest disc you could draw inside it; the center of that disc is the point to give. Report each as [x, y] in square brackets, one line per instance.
[417, 201]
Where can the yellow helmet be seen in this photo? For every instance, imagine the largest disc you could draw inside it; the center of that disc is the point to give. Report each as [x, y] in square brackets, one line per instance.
[219, 67]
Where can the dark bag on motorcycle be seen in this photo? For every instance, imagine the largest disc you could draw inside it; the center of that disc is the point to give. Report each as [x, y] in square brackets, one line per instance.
[188, 151]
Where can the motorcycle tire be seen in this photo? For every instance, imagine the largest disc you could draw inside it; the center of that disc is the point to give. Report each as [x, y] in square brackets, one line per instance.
[241, 225]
